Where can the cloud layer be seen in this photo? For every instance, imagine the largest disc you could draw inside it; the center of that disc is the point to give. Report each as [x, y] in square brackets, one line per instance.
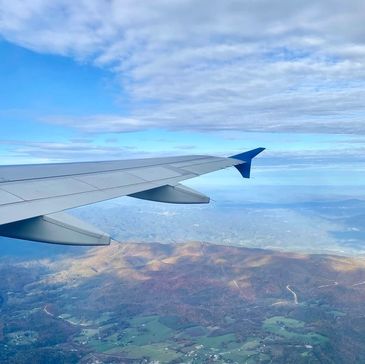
[261, 65]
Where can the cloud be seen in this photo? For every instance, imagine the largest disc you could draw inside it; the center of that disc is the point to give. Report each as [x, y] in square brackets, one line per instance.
[99, 123]
[261, 65]
[22, 151]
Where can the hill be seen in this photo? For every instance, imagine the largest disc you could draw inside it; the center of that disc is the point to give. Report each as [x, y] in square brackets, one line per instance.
[193, 302]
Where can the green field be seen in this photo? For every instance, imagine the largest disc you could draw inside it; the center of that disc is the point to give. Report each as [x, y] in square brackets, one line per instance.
[248, 352]
[153, 338]
[158, 352]
[143, 331]
[218, 342]
[293, 330]
[148, 337]
[146, 330]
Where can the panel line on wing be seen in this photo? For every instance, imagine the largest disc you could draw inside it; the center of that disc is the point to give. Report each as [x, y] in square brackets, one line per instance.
[109, 179]
[26, 209]
[86, 183]
[91, 188]
[15, 169]
[7, 197]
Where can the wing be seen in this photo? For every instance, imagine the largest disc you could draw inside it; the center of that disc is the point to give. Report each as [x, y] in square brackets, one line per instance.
[32, 196]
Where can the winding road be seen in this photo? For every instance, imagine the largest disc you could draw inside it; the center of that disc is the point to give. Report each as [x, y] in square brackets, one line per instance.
[293, 293]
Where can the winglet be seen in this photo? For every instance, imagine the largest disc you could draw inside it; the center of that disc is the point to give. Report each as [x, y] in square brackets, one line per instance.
[246, 157]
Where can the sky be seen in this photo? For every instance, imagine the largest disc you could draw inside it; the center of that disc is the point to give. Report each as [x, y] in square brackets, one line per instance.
[104, 79]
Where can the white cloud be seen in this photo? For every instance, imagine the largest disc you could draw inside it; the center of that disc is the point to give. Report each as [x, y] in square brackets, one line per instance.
[22, 151]
[210, 65]
[99, 123]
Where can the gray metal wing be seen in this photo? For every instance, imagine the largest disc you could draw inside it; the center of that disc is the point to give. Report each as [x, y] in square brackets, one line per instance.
[30, 195]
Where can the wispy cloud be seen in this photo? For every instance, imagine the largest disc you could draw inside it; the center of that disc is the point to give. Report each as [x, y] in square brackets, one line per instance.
[23, 151]
[99, 123]
[261, 65]
[20, 151]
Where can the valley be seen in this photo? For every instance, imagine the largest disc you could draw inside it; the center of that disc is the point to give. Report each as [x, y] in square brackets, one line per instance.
[184, 303]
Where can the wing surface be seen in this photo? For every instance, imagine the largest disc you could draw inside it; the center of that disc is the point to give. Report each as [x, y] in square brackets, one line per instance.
[33, 191]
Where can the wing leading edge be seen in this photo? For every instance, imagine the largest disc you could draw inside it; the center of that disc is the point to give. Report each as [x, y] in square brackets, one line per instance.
[32, 196]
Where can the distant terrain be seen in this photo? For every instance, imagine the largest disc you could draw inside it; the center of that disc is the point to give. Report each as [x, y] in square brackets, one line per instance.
[183, 303]
[329, 226]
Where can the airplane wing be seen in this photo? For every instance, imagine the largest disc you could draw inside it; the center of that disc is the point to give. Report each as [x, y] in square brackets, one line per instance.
[33, 197]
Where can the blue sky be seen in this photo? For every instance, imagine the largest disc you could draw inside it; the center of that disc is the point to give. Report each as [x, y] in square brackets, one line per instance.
[117, 80]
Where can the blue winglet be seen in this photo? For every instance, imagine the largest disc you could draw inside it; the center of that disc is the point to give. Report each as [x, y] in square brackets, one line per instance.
[245, 168]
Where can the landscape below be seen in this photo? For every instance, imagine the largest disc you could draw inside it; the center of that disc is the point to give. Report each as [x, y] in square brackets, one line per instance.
[183, 303]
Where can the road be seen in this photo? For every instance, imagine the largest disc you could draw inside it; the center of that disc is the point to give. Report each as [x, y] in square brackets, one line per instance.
[60, 318]
[358, 284]
[47, 312]
[328, 285]
[293, 293]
